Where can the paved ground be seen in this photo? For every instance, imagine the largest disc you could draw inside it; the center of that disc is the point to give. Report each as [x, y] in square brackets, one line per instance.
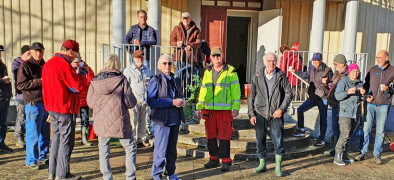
[84, 162]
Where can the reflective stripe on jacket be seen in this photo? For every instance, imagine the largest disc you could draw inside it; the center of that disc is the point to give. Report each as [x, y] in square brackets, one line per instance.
[226, 95]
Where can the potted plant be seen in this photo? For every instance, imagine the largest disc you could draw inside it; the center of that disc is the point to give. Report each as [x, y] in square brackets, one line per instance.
[190, 108]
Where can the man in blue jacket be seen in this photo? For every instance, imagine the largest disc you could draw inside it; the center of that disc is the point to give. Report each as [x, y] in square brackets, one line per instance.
[140, 35]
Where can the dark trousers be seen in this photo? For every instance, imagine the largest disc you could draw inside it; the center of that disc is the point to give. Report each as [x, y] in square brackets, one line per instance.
[165, 153]
[63, 138]
[276, 132]
[346, 127]
[308, 104]
[335, 121]
[84, 116]
[4, 105]
[20, 121]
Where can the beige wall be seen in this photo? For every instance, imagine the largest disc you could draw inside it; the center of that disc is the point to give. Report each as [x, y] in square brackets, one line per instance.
[86, 21]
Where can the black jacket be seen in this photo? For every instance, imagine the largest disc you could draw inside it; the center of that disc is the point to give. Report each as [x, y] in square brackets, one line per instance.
[29, 80]
[5, 89]
[374, 78]
[260, 102]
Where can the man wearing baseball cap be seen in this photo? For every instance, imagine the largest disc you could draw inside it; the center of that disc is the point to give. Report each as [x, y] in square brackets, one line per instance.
[29, 81]
[218, 103]
[319, 76]
[5, 96]
[61, 87]
[138, 75]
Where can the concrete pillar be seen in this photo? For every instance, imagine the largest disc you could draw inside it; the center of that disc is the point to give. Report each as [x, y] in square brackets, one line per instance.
[154, 20]
[118, 21]
[350, 32]
[317, 31]
[154, 17]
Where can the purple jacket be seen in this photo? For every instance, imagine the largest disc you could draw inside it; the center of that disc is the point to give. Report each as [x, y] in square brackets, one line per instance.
[15, 67]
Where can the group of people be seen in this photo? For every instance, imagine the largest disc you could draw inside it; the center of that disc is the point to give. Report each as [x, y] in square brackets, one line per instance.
[51, 93]
[345, 93]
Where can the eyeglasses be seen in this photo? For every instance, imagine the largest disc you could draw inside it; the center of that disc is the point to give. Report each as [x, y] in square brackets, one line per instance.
[165, 63]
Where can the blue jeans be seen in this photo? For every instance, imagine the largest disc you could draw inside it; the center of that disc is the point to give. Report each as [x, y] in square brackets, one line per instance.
[37, 133]
[308, 104]
[335, 121]
[165, 153]
[276, 133]
[84, 113]
[378, 112]
[4, 105]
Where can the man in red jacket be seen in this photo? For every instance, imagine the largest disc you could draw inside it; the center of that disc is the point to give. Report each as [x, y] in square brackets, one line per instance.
[61, 87]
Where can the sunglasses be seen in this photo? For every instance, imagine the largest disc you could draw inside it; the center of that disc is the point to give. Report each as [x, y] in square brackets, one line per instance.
[165, 63]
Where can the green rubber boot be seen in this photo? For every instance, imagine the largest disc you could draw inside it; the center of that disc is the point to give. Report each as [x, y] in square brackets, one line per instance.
[278, 170]
[261, 168]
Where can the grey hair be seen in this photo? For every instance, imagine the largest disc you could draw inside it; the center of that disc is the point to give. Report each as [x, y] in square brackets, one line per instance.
[113, 62]
[270, 54]
[162, 57]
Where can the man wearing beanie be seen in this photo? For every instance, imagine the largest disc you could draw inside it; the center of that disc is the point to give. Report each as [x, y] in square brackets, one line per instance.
[340, 71]
[319, 76]
[377, 84]
[61, 88]
[20, 106]
[37, 128]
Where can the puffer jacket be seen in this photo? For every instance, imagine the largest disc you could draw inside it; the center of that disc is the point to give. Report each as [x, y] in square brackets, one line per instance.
[5, 89]
[110, 97]
[260, 102]
[332, 101]
[193, 38]
[349, 104]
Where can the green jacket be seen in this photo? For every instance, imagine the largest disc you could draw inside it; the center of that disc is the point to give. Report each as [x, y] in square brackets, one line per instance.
[226, 95]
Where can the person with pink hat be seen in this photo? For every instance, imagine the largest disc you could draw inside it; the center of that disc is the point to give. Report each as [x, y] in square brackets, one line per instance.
[350, 93]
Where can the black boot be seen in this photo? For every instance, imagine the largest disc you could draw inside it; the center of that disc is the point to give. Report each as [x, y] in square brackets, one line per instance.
[346, 158]
[212, 163]
[338, 159]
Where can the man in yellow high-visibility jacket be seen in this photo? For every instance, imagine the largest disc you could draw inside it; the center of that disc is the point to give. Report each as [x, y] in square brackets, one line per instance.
[219, 102]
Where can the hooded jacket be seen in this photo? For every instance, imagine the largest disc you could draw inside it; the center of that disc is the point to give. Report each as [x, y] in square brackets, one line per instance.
[259, 101]
[191, 36]
[110, 96]
[349, 104]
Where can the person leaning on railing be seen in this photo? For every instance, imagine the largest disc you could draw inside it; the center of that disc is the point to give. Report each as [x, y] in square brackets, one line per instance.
[319, 76]
[141, 34]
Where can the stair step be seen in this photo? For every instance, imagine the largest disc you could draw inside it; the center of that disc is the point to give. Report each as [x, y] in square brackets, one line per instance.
[244, 144]
[242, 132]
[290, 153]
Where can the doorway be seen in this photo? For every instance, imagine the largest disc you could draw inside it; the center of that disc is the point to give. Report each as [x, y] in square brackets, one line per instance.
[237, 46]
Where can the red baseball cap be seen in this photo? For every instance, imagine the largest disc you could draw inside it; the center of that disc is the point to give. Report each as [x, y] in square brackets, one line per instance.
[71, 44]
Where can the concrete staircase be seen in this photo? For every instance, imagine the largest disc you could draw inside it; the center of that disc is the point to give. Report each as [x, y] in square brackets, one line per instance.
[243, 143]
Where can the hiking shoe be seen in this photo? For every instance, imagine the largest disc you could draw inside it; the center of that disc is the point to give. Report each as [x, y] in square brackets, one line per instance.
[44, 161]
[226, 166]
[5, 148]
[212, 163]
[299, 133]
[51, 176]
[360, 157]
[69, 177]
[33, 166]
[20, 143]
[320, 143]
[173, 177]
[378, 160]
